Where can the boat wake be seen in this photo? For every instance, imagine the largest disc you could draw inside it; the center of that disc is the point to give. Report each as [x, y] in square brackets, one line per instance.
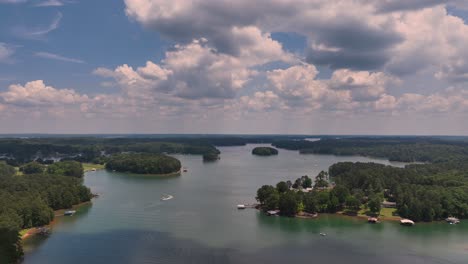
[166, 197]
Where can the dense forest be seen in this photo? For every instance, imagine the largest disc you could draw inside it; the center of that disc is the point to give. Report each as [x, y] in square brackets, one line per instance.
[421, 192]
[144, 163]
[264, 151]
[405, 149]
[29, 200]
[19, 151]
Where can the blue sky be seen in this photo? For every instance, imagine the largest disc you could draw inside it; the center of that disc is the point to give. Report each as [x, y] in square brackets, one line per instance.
[283, 66]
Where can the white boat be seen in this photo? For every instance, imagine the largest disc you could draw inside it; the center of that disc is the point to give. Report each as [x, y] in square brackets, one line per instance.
[323, 234]
[166, 197]
[240, 206]
[406, 222]
[69, 212]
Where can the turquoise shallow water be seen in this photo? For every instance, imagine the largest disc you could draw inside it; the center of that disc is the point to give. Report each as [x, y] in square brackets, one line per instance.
[129, 223]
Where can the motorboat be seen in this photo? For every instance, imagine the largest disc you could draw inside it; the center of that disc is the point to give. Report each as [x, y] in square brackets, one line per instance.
[166, 197]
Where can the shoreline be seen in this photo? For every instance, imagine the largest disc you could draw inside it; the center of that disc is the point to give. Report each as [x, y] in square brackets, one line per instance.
[176, 173]
[304, 215]
[33, 231]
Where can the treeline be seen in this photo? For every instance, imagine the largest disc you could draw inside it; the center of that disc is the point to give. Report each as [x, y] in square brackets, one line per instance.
[422, 192]
[29, 201]
[144, 163]
[19, 151]
[404, 149]
[93, 149]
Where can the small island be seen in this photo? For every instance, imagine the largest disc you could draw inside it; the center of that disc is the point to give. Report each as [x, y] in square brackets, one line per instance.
[154, 164]
[211, 156]
[264, 151]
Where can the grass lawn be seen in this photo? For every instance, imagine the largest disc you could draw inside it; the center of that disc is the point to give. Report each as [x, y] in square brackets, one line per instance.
[18, 172]
[24, 231]
[90, 166]
[384, 212]
[387, 212]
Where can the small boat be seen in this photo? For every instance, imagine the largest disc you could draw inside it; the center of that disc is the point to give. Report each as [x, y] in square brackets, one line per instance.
[240, 206]
[323, 234]
[69, 212]
[272, 213]
[93, 169]
[372, 220]
[185, 170]
[166, 197]
[406, 222]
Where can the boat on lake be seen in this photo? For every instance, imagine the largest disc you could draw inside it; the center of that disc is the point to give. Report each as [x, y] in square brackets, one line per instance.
[69, 212]
[373, 220]
[166, 197]
[241, 206]
[323, 234]
[406, 222]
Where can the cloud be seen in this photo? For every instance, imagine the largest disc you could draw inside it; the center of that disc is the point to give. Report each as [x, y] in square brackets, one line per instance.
[12, 1]
[52, 56]
[36, 93]
[398, 37]
[6, 51]
[191, 71]
[39, 32]
[48, 3]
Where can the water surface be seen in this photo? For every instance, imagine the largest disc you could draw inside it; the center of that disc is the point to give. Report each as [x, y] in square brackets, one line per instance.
[129, 223]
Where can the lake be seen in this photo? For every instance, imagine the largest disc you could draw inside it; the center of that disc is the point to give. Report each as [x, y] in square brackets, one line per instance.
[129, 223]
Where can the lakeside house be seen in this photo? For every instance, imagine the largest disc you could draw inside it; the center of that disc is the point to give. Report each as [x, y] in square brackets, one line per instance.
[387, 204]
[452, 220]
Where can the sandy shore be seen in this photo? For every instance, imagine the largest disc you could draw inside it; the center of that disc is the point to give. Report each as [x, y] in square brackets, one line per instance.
[59, 213]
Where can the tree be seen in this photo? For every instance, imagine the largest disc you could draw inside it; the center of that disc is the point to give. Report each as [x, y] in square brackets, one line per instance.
[66, 168]
[10, 243]
[323, 199]
[306, 182]
[310, 203]
[288, 204]
[272, 201]
[341, 192]
[282, 187]
[374, 204]
[333, 204]
[352, 203]
[264, 192]
[32, 168]
[320, 180]
[6, 170]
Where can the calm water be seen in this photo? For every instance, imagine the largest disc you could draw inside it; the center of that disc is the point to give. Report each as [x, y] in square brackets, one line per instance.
[129, 224]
